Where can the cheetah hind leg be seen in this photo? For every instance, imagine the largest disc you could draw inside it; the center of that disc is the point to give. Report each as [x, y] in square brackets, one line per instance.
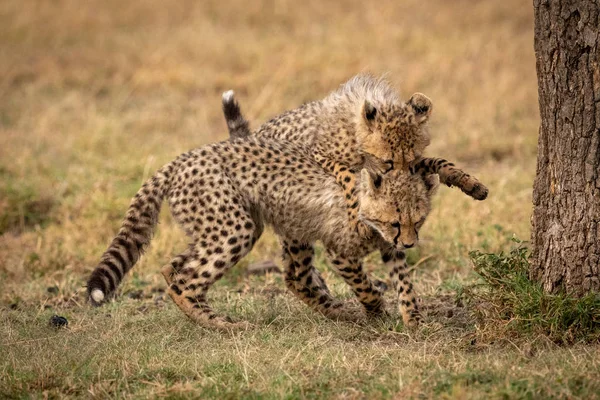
[175, 265]
[188, 286]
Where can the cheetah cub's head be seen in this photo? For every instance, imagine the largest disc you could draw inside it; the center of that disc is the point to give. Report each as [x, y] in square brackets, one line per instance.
[396, 204]
[395, 132]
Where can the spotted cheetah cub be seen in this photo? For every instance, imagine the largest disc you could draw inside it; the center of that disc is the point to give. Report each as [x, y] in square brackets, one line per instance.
[448, 173]
[222, 195]
[363, 124]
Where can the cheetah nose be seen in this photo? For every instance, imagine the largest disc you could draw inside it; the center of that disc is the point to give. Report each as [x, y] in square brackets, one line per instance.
[408, 245]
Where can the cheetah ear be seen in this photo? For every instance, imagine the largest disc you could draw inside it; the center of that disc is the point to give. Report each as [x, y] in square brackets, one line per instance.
[369, 111]
[421, 106]
[370, 184]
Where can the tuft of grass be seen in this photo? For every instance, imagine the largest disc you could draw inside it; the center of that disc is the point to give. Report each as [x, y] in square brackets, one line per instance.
[22, 207]
[507, 295]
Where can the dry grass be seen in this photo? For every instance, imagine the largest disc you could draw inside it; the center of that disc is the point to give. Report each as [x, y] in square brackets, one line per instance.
[95, 95]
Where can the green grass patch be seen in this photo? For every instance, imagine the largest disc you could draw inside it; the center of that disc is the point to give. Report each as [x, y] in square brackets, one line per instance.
[23, 207]
[507, 295]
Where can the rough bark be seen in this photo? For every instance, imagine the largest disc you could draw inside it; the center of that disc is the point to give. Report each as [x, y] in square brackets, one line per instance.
[566, 193]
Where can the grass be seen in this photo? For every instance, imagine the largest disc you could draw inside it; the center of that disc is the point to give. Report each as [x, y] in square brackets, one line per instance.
[143, 348]
[94, 96]
[508, 297]
[22, 207]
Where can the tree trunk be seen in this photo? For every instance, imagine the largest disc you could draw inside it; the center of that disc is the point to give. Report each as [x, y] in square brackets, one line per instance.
[566, 191]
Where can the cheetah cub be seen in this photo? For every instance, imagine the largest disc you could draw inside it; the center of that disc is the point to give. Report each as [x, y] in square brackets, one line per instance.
[222, 194]
[449, 175]
[363, 124]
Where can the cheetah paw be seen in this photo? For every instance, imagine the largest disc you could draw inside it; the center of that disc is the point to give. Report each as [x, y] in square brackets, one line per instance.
[226, 324]
[479, 191]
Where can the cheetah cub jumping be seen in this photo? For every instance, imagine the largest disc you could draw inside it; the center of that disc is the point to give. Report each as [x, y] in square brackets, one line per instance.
[222, 195]
[363, 124]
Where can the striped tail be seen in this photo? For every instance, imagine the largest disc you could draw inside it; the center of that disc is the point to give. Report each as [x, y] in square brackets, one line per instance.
[236, 123]
[135, 234]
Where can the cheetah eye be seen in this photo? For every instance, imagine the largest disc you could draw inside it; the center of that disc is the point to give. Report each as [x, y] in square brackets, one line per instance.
[419, 223]
[377, 221]
[377, 181]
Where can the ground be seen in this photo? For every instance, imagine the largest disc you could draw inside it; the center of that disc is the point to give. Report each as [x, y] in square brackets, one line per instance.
[96, 95]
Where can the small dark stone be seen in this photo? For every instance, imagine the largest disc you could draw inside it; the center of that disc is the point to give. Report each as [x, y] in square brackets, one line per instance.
[449, 313]
[135, 294]
[58, 322]
[52, 289]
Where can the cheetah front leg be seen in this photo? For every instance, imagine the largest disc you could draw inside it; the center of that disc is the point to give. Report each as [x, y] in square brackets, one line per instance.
[305, 281]
[450, 176]
[369, 294]
[346, 178]
[407, 300]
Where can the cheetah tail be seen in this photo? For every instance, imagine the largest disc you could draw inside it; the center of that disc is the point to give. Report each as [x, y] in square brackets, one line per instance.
[129, 244]
[236, 123]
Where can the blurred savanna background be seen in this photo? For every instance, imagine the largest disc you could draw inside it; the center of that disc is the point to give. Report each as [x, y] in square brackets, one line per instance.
[96, 95]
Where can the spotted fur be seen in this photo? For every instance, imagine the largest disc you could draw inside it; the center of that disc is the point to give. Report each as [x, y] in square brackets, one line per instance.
[448, 173]
[222, 195]
[363, 124]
